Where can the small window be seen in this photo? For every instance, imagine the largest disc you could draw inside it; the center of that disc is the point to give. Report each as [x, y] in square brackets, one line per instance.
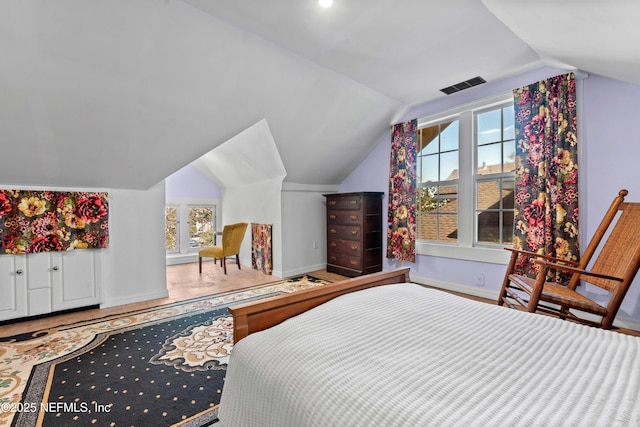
[172, 232]
[201, 226]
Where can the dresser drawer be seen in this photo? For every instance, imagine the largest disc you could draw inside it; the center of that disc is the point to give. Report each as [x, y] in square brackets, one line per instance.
[346, 232]
[344, 202]
[347, 261]
[344, 217]
[349, 247]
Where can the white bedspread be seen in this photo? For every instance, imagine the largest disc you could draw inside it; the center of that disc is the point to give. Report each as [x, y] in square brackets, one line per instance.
[404, 355]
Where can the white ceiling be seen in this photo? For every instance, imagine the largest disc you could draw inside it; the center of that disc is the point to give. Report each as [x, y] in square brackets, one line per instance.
[121, 94]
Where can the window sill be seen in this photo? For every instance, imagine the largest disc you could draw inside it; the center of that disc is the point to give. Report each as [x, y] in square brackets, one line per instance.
[480, 254]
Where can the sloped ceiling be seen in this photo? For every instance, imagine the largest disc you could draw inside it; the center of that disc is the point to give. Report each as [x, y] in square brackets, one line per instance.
[121, 94]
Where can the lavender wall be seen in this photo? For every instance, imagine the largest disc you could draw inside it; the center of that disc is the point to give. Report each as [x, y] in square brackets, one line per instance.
[189, 183]
[609, 151]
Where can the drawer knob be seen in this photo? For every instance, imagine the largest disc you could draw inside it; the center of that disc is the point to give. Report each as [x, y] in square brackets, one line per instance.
[333, 258]
[332, 202]
[354, 233]
[332, 231]
[355, 263]
[353, 218]
[354, 248]
[332, 217]
[353, 202]
[333, 244]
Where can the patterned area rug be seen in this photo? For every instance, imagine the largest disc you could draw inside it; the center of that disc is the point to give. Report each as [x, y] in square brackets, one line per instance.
[162, 366]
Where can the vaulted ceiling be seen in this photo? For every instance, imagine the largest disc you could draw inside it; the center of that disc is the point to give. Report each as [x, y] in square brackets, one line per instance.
[121, 94]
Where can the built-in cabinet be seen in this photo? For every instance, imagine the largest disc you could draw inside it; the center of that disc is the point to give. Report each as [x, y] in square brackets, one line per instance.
[354, 233]
[47, 282]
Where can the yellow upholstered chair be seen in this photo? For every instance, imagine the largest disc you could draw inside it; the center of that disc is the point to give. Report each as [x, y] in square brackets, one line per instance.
[232, 236]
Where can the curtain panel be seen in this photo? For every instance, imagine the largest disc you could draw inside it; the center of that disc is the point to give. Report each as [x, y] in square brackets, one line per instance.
[546, 193]
[401, 233]
[48, 221]
[261, 254]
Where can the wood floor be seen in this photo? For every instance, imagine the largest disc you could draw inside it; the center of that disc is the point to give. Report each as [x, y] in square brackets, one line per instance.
[183, 282]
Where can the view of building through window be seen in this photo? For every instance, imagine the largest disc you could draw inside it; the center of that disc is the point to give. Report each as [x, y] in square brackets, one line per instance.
[485, 138]
[495, 168]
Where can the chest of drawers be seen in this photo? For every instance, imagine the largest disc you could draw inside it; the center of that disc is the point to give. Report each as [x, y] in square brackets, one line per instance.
[354, 233]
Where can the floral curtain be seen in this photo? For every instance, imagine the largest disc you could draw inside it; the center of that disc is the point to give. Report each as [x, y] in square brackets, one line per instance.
[261, 248]
[546, 197]
[46, 221]
[401, 234]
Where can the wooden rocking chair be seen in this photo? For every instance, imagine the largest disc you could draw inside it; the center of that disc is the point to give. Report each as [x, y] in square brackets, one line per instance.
[613, 270]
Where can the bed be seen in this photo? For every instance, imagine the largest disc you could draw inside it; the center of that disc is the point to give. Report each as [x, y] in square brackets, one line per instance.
[378, 350]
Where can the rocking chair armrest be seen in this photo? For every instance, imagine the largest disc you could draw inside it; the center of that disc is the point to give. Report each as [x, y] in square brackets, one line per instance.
[569, 269]
[547, 257]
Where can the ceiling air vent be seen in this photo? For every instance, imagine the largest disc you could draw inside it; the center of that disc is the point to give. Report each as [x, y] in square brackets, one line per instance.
[463, 85]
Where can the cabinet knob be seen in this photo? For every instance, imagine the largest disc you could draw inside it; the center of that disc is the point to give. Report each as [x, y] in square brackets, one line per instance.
[19, 272]
[55, 268]
[354, 232]
[353, 218]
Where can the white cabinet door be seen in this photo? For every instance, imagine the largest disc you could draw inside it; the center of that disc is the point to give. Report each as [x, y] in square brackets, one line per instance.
[13, 287]
[38, 273]
[76, 279]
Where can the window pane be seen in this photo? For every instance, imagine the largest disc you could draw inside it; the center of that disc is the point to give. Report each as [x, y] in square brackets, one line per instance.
[507, 194]
[201, 227]
[508, 119]
[489, 159]
[448, 198]
[448, 230]
[427, 199]
[507, 228]
[489, 227]
[427, 229]
[429, 140]
[171, 228]
[489, 127]
[509, 150]
[449, 136]
[449, 166]
[489, 195]
[429, 168]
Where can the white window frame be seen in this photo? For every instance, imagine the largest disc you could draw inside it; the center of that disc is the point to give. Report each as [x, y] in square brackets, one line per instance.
[183, 206]
[466, 248]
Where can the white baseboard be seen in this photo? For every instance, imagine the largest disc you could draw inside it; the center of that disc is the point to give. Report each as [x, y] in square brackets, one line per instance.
[131, 299]
[455, 287]
[302, 270]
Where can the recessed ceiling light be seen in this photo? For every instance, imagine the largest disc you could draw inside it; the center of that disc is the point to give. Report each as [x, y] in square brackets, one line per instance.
[325, 3]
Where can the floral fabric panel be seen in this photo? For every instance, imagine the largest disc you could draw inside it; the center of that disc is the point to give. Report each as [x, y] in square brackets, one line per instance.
[546, 197]
[48, 221]
[261, 254]
[401, 233]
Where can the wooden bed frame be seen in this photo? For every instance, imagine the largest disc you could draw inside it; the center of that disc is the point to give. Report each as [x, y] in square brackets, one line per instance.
[265, 313]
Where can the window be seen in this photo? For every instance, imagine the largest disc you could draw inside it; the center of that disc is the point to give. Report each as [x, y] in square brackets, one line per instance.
[189, 227]
[171, 234]
[494, 175]
[202, 230]
[438, 149]
[465, 180]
